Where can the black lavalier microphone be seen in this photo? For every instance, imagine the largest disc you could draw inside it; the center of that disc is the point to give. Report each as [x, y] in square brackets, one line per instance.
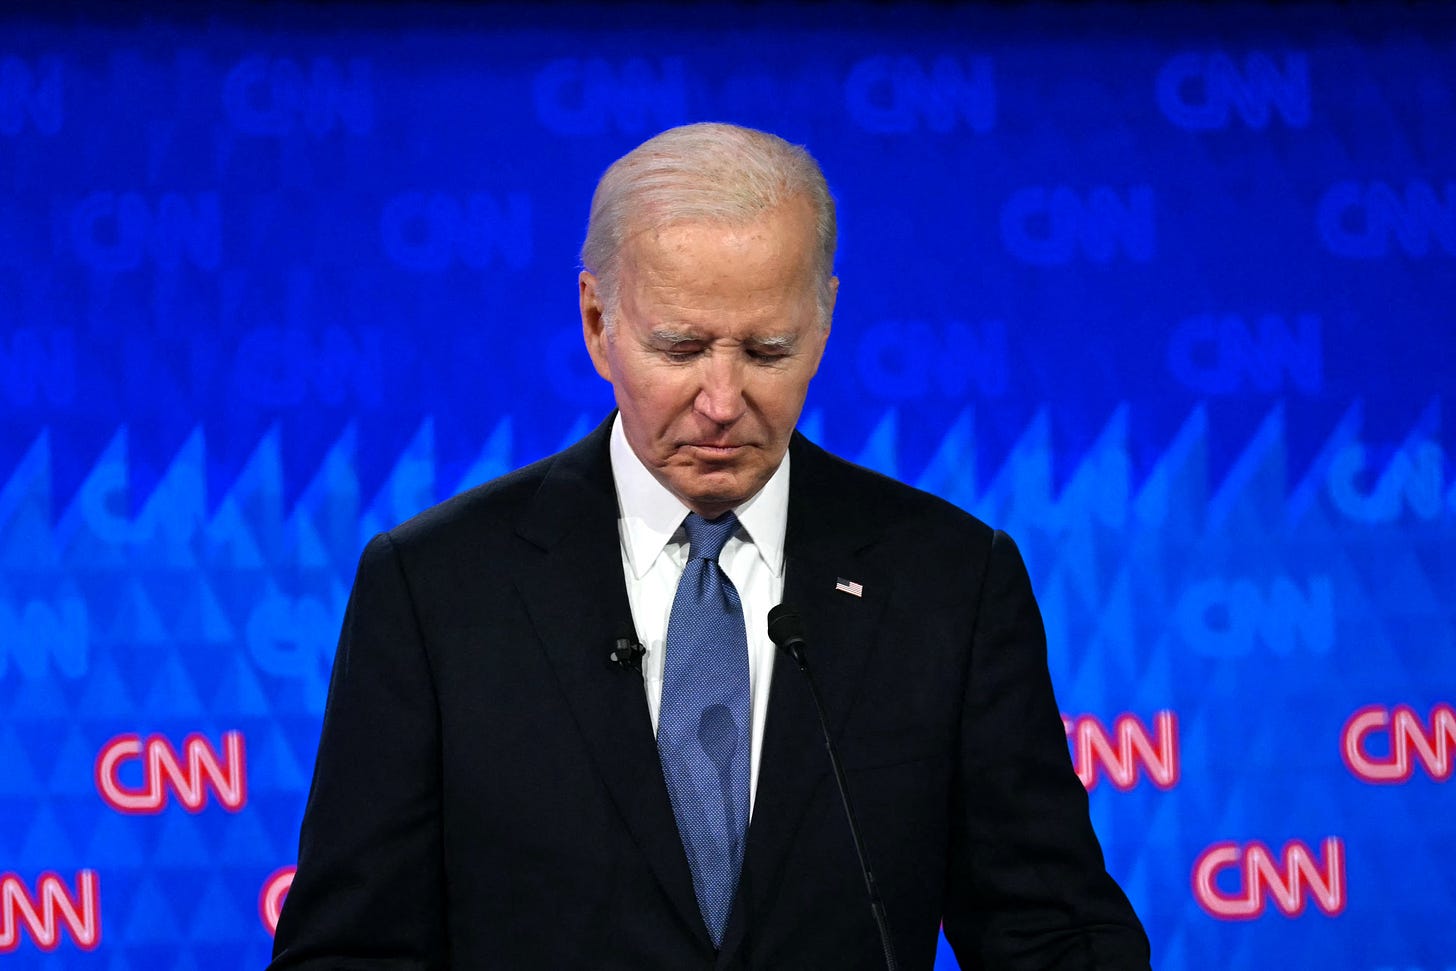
[786, 630]
[627, 651]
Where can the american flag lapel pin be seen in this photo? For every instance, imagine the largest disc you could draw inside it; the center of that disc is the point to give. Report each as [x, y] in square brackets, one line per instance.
[849, 587]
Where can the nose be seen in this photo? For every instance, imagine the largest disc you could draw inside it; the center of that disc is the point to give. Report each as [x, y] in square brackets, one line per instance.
[720, 394]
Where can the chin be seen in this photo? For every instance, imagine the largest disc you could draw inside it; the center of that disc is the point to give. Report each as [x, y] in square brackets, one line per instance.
[718, 501]
[726, 500]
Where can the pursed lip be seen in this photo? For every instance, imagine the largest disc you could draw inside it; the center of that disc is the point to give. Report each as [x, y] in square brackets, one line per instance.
[712, 448]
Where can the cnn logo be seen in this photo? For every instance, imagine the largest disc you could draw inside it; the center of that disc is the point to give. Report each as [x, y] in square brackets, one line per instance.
[1259, 877]
[271, 897]
[189, 774]
[52, 908]
[1407, 739]
[1129, 750]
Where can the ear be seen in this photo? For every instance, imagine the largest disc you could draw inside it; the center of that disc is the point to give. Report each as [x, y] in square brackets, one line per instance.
[823, 336]
[833, 299]
[593, 323]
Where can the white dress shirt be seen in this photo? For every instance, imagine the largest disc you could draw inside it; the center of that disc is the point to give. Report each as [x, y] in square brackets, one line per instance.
[655, 550]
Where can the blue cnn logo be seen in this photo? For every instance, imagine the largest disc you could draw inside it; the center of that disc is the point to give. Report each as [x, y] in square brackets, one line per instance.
[1413, 480]
[38, 635]
[1221, 354]
[431, 232]
[898, 95]
[294, 637]
[1359, 220]
[1226, 618]
[591, 96]
[118, 232]
[31, 93]
[1203, 91]
[277, 96]
[283, 367]
[907, 359]
[1055, 226]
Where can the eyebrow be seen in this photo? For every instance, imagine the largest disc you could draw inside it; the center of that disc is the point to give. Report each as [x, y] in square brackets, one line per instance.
[666, 335]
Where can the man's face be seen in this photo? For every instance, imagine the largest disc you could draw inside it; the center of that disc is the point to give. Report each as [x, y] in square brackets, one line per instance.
[717, 334]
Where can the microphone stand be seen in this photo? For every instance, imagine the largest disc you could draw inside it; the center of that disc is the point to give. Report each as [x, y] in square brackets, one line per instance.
[786, 630]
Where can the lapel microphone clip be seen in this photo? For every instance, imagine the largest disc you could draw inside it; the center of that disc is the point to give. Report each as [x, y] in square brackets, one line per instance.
[628, 652]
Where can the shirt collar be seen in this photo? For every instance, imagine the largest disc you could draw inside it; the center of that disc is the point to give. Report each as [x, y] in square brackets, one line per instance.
[651, 515]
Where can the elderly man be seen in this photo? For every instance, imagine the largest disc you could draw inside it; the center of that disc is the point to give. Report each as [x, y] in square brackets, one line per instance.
[506, 780]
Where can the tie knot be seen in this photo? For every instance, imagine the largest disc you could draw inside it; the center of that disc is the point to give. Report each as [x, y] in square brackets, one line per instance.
[707, 536]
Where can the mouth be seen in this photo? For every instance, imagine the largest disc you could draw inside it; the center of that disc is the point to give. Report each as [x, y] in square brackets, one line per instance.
[715, 450]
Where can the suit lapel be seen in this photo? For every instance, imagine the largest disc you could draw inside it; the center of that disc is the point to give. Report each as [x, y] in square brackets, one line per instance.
[573, 586]
[825, 542]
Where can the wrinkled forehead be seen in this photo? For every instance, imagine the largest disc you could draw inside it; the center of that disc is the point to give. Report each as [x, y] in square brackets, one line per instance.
[783, 235]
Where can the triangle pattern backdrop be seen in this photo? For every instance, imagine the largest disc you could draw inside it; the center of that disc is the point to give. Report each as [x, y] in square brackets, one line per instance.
[1164, 291]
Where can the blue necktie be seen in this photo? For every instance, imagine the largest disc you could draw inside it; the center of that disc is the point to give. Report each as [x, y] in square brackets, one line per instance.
[702, 727]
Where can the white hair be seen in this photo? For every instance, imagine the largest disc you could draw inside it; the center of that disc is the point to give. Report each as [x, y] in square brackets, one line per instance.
[708, 171]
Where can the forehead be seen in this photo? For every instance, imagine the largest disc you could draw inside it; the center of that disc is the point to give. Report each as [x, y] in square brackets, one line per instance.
[770, 254]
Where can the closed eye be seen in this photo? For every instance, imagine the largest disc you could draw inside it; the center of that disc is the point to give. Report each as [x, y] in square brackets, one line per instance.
[770, 349]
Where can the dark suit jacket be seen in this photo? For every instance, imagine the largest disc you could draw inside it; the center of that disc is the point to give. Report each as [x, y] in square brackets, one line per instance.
[488, 792]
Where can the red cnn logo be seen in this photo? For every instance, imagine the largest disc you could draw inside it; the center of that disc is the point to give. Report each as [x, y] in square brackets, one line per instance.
[189, 775]
[1287, 882]
[80, 913]
[270, 900]
[1093, 750]
[1406, 734]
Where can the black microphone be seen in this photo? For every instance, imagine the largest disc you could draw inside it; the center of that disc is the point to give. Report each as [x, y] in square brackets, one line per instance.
[786, 630]
[627, 651]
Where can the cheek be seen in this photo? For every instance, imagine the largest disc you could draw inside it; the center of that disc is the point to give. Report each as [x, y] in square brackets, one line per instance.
[657, 400]
[782, 400]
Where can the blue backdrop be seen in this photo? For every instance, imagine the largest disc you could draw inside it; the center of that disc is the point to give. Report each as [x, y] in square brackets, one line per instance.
[1168, 292]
